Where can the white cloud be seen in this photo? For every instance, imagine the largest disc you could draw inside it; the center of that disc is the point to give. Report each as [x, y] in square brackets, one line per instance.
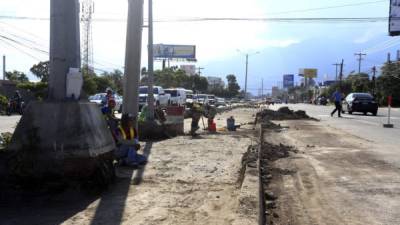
[367, 36]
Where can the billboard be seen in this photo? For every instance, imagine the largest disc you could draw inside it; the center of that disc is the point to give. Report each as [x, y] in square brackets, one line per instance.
[394, 18]
[308, 73]
[162, 51]
[288, 81]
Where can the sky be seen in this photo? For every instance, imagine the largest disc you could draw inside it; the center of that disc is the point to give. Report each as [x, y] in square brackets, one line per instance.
[284, 47]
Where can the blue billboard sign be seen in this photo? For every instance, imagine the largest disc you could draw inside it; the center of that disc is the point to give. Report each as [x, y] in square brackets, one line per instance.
[288, 81]
[187, 52]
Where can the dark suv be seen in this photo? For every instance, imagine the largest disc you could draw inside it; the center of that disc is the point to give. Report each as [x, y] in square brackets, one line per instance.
[360, 102]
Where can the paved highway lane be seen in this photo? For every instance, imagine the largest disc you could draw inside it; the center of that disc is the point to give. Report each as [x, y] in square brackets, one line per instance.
[369, 128]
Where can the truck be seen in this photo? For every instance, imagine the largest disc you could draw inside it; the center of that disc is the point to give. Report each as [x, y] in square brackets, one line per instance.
[160, 97]
[178, 96]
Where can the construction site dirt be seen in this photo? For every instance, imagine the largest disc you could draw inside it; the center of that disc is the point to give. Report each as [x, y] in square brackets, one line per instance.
[187, 181]
[311, 173]
[314, 174]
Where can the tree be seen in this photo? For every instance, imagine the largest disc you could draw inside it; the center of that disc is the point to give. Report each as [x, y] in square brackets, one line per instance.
[41, 71]
[114, 80]
[359, 82]
[17, 76]
[89, 84]
[233, 86]
[389, 84]
[39, 89]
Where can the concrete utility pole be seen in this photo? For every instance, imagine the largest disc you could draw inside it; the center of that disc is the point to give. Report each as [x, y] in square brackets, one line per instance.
[245, 81]
[247, 70]
[262, 87]
[360, 58]
[150, 98]
[388, 58]
[200, 69]
[336, 66]
[373, 80]
[64, 45]
[4, 67]
[133, 57]
[341, 75]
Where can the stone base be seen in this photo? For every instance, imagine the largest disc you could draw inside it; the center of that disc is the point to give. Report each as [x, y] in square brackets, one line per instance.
[61, 140]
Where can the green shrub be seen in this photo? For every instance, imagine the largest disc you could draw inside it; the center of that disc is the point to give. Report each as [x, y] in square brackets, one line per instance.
[5, 140]
[3, 103]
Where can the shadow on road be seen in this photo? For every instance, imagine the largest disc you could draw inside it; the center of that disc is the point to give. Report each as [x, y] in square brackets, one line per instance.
[112, 204]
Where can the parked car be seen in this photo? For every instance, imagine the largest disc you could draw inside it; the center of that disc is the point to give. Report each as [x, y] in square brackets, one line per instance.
[360, 102]
[211, 99]
[160, 97]
[220, 102]
[100, 100]
[178, 96]
[321, 100]
[202, 98]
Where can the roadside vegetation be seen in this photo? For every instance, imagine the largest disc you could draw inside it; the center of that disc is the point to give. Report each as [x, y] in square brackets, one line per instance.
[97, 83]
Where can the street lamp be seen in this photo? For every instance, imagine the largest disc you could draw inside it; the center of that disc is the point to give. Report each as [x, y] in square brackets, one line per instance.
[247, 69]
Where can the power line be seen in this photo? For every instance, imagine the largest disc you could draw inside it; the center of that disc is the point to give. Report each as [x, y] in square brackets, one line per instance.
[233, 19]
[19, 49]
[327, 7]
[22, 44]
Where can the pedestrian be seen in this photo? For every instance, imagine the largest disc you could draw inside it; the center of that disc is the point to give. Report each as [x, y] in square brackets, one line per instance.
[337, 97]
[128, 143]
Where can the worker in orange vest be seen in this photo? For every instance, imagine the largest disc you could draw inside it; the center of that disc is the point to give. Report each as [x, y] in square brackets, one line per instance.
[128, 143]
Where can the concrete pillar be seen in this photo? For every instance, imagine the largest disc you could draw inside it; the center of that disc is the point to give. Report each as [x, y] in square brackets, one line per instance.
[64, 44]
[133, 57]
[4, 67]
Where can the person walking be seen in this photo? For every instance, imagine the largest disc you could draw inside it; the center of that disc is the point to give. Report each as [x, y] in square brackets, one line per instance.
[337, 97]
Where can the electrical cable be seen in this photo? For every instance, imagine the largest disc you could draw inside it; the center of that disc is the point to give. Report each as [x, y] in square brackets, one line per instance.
[20, 50]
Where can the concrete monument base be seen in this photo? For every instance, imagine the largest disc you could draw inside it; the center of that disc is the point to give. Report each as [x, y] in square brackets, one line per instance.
[67, 140]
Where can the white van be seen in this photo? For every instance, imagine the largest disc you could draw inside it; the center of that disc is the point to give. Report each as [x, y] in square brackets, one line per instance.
[190, 97]
[178, 96]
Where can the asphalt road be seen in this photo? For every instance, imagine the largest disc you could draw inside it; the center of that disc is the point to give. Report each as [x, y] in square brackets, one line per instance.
[369, 128]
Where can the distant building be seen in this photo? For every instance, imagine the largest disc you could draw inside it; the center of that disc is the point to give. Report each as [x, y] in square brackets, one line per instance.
[190, 70]
[215, 82]
[275, 92]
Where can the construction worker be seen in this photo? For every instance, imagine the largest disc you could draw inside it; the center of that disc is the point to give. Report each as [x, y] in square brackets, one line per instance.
[210, 112]
[109, 116]
[108, 97]
[128, 143]
[196, 111]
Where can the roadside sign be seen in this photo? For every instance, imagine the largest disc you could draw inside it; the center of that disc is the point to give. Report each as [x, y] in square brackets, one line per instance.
[308, 73]
[394, 18]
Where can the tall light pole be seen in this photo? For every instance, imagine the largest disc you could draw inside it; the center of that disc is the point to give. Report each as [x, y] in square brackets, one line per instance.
[247, 69]
[150, 99]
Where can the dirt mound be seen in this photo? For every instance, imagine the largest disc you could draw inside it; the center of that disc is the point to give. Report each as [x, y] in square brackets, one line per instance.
[283, 113]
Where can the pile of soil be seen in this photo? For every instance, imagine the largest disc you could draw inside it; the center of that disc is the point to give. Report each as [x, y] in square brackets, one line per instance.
[283, 113]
